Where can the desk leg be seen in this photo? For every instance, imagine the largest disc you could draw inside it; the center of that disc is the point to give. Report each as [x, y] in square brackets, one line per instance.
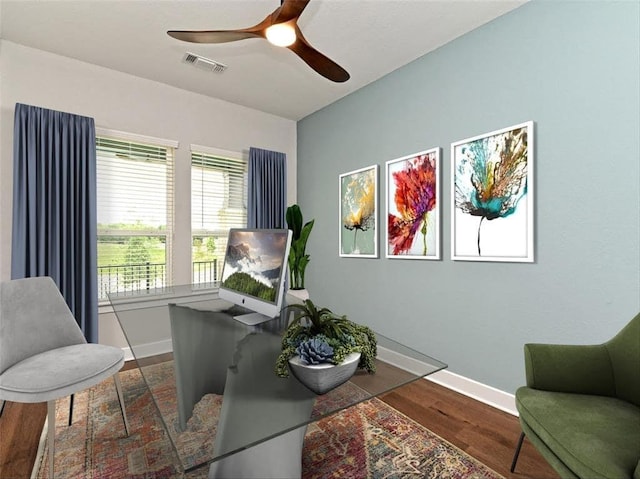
[277, 458]
[204, 343]
[258, 404]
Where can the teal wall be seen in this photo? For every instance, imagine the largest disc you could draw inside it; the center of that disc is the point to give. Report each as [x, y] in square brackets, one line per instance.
[571, 67]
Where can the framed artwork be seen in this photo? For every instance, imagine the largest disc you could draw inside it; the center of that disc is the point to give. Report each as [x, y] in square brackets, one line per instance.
[492, 206]
[358, 213]
[413, 206]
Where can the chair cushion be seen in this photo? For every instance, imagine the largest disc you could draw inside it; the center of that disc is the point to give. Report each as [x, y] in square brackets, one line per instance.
[59, 372]
[594, 436]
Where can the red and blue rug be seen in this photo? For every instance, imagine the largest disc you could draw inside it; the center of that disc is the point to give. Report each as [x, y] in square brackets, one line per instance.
[370, 440]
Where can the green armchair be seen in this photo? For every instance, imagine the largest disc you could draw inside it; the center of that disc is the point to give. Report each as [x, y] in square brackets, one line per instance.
[581, 406]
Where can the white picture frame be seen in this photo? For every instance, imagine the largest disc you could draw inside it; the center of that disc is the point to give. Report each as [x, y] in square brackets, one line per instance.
[492, 196]
[413, 211]
[358, 213]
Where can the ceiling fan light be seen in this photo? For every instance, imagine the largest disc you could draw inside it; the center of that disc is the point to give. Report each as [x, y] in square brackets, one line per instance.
[281, 34]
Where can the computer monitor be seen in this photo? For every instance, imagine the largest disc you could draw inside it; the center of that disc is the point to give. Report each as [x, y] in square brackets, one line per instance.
[255, 271]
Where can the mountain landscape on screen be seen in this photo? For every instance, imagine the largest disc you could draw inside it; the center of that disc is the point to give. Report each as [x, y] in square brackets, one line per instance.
[253, 265]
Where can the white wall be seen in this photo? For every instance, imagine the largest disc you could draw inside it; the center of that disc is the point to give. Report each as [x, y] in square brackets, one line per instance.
[123, 102]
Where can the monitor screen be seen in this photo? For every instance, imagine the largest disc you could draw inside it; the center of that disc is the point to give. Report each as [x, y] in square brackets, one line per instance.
[254, 271]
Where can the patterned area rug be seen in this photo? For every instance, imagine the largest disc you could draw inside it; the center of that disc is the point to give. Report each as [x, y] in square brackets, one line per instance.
[370, 440]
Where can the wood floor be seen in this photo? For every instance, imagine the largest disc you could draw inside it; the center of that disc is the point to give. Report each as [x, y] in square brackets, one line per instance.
[482, 431]
[485, 433]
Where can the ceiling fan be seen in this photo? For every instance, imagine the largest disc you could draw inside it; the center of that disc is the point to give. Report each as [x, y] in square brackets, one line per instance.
[279, 28]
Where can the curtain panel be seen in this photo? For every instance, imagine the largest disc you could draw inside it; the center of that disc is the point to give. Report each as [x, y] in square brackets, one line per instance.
[54, 206]
[267, 189]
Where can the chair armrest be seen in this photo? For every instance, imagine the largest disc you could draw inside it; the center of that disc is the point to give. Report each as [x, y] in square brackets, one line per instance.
[569, 368]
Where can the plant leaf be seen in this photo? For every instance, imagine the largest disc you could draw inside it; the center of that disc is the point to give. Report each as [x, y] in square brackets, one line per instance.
[294, 221]
[304, 234]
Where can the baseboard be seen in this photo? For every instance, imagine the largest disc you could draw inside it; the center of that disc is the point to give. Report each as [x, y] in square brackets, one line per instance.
[480, 392]
[489, 395]
[149, 349]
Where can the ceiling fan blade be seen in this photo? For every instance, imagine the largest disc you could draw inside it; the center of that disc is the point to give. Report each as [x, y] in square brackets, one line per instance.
[290, 9]
[316, 60]
[211, 36]
[223, 36]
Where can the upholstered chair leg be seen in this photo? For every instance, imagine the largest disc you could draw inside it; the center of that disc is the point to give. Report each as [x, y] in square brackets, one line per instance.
[71, 410]
[51, 433]
[116, 379]
[515, 456]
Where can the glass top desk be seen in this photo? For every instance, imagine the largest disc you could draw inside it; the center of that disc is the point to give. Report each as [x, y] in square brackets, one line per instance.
[212, 380]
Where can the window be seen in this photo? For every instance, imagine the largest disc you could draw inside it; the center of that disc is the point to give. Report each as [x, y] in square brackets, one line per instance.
[218, 203]
[134, 215]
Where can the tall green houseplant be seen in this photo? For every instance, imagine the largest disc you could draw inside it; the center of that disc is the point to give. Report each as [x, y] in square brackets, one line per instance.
[298, 258]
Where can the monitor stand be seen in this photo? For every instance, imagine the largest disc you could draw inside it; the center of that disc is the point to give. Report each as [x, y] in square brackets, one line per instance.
[251, 319]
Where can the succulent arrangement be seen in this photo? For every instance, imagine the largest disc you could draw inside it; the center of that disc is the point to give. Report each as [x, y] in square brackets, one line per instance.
[318, 336]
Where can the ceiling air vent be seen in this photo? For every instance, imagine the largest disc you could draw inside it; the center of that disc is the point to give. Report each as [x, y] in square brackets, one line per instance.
[203, 63]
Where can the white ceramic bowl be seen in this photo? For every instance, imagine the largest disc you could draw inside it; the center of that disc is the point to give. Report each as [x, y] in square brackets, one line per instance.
[321, 378]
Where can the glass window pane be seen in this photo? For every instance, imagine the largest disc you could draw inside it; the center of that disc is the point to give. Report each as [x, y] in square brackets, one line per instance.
[134, 213]
[218, 203]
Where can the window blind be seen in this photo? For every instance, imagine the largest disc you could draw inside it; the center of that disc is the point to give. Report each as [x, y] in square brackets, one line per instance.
[218, 203]
[134, 214]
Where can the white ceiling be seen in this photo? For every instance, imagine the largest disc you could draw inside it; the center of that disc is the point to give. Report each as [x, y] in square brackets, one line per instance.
[369, 38]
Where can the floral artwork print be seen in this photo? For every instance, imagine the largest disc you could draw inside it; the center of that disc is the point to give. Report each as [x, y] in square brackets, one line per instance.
[492, 181]
[358, 210]
[412, 206]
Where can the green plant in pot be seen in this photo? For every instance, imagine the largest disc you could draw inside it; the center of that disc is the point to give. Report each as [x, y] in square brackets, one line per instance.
[317, 336]
[298, 258]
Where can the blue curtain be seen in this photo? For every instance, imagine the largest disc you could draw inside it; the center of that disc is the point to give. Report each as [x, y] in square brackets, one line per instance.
[54, 206]
[267, 198]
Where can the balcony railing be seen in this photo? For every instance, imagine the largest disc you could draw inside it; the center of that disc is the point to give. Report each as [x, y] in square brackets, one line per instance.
[145, 276]
[205, 271]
